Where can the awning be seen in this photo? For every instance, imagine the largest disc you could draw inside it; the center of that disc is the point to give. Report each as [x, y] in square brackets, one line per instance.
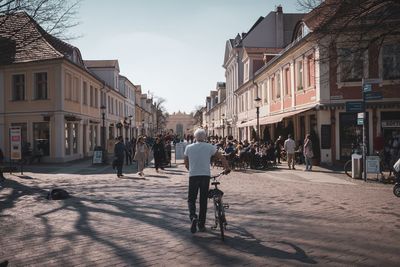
[275, 118]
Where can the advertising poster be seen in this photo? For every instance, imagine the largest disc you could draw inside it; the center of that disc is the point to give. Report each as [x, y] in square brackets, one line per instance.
[15, 143]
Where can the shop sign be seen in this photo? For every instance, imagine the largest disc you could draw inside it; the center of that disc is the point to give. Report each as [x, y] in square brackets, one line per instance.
[373, 95]
[391, 124]
[373, 165]
[355, 106]
[15, 143]
[367, 87]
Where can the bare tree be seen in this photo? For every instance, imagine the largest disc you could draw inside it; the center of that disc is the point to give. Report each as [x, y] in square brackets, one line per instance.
[54, 16]
[359, 26]
[198, 115]
[161, 114]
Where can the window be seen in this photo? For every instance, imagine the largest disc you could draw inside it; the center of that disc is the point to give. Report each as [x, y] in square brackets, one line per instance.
[300, 85]
[278, 85]
[41, 138]
[18, 87]
[310, 71]
[391, 61]
[273, 93]
[68, 86]
[265, 92]
[287, 81]
[40, 88]
[351, 65]
[76, 89]
[75, 138]
[85, 93]
[96, 98]
[67, 139]
[91, 103]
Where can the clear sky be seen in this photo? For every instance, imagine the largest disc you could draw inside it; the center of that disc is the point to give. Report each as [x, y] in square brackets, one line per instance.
[173, 48]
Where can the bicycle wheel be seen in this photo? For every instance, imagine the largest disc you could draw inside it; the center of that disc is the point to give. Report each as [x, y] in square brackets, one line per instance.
[221, 220]
[347, 168]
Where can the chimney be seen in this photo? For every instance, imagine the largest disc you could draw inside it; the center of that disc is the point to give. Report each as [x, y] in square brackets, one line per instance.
[279, 26]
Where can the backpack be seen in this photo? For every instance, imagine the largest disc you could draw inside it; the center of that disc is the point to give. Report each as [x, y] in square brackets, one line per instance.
[57, 194]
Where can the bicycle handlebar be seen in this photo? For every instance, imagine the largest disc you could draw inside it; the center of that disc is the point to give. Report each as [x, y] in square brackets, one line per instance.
[225, 172]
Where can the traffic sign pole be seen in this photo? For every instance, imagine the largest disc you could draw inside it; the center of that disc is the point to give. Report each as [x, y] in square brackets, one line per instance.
[364, 150]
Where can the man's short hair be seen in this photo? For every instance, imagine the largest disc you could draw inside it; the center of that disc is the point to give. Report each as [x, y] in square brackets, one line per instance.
[200, 134]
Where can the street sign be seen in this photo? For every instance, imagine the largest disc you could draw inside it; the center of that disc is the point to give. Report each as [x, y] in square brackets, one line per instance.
[360, 121]
[367, 87]
[355, 106]
[373, 95]
[372, 81]
[97, 157]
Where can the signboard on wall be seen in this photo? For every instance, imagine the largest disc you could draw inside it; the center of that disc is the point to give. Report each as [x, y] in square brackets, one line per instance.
[15, 143]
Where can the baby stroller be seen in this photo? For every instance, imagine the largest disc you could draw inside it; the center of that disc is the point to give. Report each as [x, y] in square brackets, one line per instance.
[396, 188]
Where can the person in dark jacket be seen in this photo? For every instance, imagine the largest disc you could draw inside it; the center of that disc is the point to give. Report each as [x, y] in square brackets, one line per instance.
[119, 153]
[159, 153]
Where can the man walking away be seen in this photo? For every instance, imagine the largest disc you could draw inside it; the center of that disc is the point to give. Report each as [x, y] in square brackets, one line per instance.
[119, 152]
[159, 154]
[290, 147]
[197, 160]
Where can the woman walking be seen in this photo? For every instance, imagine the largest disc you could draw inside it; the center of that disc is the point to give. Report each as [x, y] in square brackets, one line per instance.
[308, 152]
[141, 154]
[159, 153]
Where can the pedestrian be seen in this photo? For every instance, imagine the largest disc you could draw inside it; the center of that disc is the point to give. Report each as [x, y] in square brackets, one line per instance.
[141, 154]
[159, 154]
[290, 147]
[308, 152]
[119, 152]
[128, 151]
[197, 160]
[278, 148]
[1, 156]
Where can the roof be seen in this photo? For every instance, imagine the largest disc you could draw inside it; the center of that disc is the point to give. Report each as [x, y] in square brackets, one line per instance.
[23, 40]
[320, 15]
[112, 63]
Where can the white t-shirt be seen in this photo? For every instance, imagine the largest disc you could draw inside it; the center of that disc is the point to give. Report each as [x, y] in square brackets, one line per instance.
[290, 146]
[199, 155]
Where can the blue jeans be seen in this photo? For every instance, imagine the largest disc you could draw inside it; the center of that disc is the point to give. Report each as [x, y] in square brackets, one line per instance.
[308, 163]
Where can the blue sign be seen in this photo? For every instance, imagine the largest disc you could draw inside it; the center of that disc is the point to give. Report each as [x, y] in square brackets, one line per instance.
[355, 106]
[367, 87]
[373, 95]
[360, 121]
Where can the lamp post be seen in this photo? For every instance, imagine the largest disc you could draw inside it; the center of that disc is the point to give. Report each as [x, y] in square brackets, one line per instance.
[223, 125]
[143, 127]
[130, 127]
[103, 133]
[258, 102]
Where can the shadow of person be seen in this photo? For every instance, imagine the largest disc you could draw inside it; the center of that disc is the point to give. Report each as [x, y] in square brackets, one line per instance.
[240, 239]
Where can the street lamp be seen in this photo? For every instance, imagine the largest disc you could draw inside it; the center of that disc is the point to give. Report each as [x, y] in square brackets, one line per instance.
[130, 127]
[103, 132]
[143, 127]
[258, 103]
[223, 125]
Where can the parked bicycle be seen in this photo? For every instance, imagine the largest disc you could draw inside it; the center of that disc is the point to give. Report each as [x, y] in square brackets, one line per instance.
[219, 207]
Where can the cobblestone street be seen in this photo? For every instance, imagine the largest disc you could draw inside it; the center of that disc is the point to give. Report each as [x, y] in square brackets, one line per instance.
[276, 218]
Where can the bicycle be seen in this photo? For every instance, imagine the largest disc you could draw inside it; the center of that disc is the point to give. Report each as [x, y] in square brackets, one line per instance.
[219, 207]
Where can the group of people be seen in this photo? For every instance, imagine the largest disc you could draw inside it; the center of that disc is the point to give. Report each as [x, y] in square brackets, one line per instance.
[259, 155]
[140, 151]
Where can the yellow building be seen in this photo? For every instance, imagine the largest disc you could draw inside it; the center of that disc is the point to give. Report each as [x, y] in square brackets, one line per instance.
[46, 90]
